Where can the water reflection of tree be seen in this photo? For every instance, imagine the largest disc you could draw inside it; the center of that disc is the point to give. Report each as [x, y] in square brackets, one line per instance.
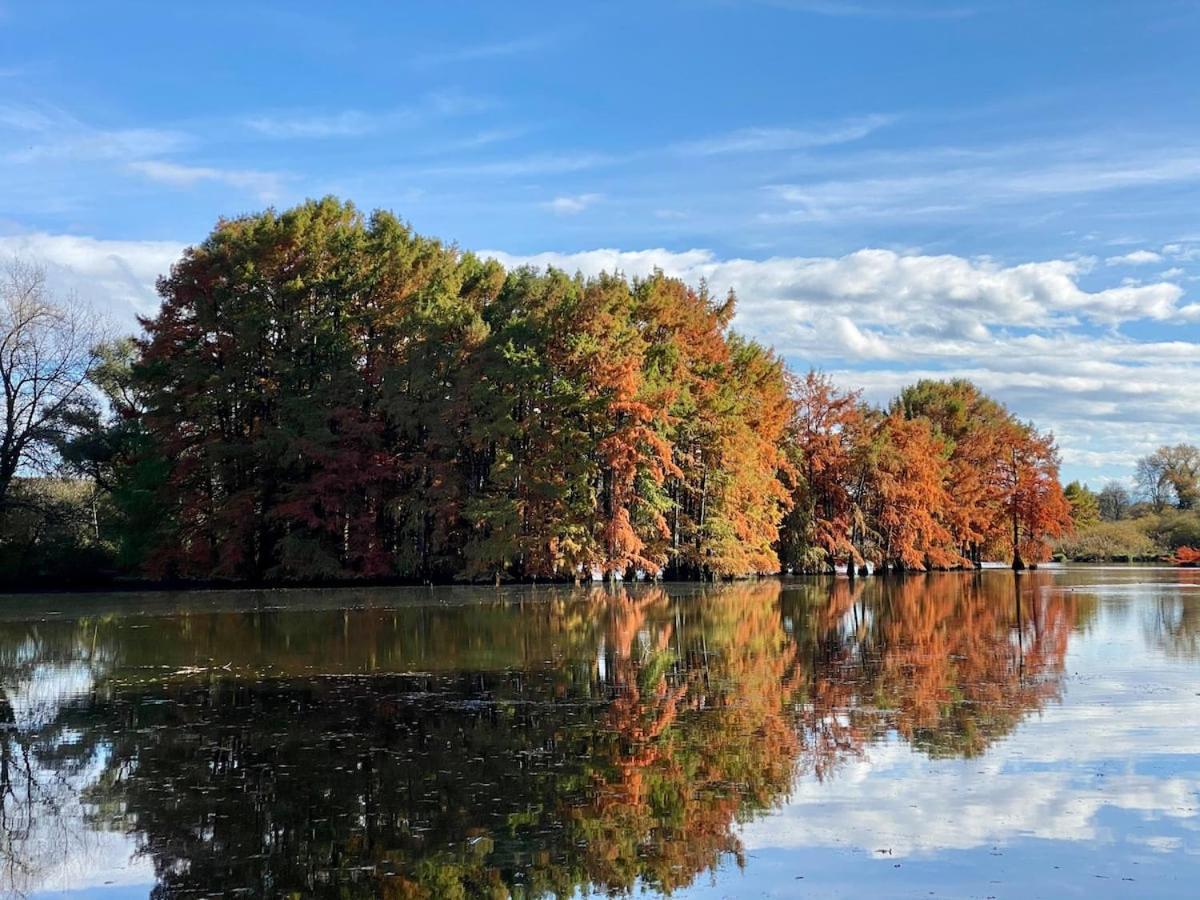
[950, 663]
[610, 740]
[1174, 624]
[43, 760]
[632, 765]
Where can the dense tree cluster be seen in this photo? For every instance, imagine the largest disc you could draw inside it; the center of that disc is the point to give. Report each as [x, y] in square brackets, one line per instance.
[328, 396]
[944, 477]
[339, 397]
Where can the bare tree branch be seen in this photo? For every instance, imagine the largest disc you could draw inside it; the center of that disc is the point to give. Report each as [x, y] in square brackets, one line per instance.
[47, 351]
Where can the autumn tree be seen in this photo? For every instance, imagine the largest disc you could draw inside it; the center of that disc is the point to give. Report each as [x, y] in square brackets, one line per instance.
[822, 439]
[1033, 503]
[908, 487]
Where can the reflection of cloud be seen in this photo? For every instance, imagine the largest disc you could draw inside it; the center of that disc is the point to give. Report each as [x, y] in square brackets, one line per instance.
[48, 841]
[49, 844]
[898, 800]
[37, 688]
[38, 696]
[1115, 744]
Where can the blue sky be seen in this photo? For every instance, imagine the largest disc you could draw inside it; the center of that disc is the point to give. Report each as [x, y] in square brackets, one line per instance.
[1004, 190]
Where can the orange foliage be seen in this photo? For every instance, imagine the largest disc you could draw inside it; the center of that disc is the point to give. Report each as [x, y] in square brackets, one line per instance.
[1185, 556]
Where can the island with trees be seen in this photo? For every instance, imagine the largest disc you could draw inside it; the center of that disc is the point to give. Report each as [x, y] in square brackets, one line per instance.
[325, 397]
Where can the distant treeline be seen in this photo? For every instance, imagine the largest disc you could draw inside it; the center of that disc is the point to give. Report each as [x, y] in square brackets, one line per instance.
[1160, 522]
[324, 396]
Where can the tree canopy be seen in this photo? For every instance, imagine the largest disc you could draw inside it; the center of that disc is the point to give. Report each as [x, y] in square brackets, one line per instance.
[327, 395]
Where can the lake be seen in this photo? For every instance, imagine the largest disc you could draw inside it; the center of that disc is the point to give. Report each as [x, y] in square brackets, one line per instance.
[952, 735]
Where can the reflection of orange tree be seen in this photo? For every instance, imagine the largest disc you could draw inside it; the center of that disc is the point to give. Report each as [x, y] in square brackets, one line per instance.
[951, 663]
[456, 770]
[697, 736]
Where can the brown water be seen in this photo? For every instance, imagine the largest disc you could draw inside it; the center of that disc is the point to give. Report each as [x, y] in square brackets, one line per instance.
[952, 736]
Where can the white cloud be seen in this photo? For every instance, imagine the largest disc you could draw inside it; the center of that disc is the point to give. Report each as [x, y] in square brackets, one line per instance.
[348, 123]
[357, 122]
[882, 287]
[761, 140]
[1122, 714]
[46, 134]
[572, 204]
[880, 320]
[264, 185]
[1136, 258]
[939, 181]
[487, 51]
[116, 277]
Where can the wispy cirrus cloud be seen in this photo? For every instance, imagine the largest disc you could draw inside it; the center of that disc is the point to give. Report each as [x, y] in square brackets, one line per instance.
[267, 186]
[43, 133]
[774, 139]
[301, 124]
[948, 181]
[881, 9]
[486, 51]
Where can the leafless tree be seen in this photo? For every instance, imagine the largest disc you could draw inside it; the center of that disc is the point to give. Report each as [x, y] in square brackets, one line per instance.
[1171, 475]
[47, 351]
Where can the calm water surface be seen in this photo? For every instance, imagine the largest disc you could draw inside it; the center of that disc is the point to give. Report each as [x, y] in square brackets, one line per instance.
[950, 736]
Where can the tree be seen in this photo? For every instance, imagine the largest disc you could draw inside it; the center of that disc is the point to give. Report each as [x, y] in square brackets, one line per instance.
[47, 352]
[1170, 476]
[1034, 506]
[909, 487]
[972, 427]
[1085, 505]
[821, 440]
[1113, 502]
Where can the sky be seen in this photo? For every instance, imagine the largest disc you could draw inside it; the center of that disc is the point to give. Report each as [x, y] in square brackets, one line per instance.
[996, 189]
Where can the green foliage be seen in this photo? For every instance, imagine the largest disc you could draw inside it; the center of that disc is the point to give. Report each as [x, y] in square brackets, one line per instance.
[53, 533]
[1149, 536]
[1085, 505]
[1124, 541]
[328, 396]
[1173, 529]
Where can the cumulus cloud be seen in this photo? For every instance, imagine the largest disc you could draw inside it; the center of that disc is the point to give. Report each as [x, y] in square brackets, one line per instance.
[1136, 258]
[882, 287]
[1029, 333]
